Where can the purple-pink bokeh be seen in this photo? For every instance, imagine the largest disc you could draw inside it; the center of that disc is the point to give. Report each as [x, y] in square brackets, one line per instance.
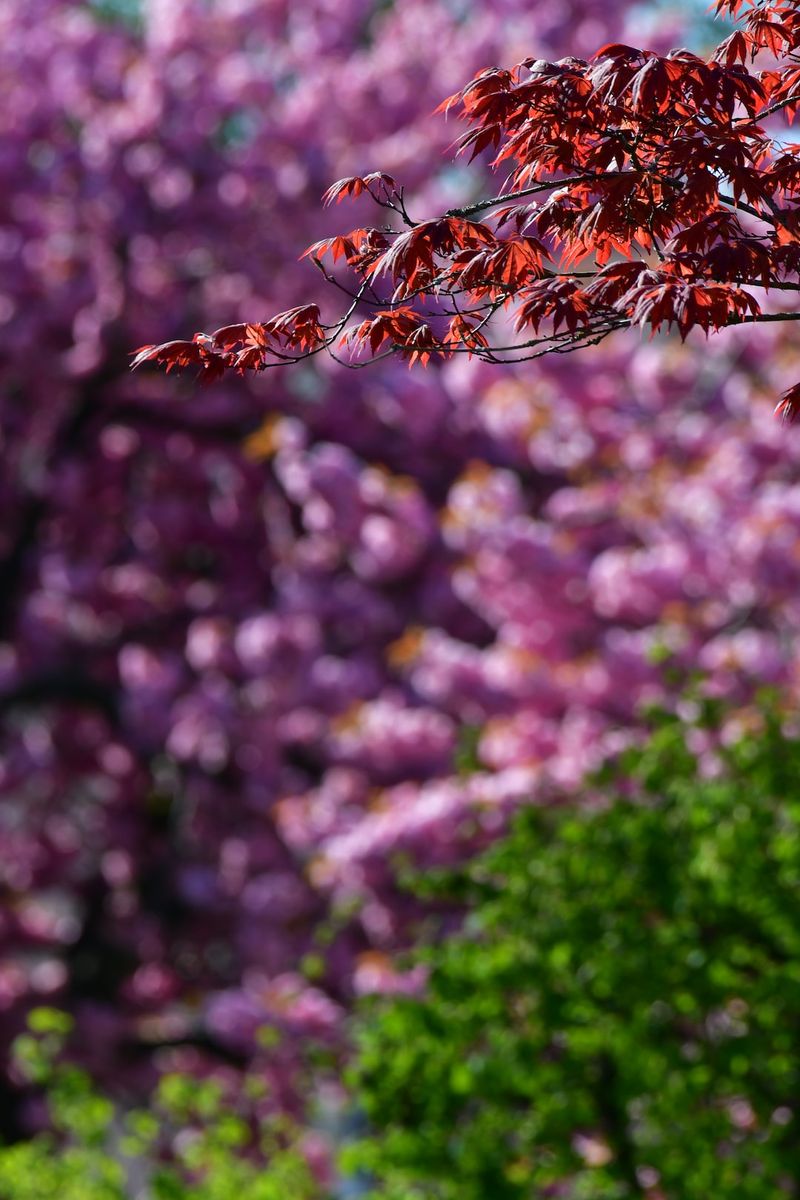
[251, 634]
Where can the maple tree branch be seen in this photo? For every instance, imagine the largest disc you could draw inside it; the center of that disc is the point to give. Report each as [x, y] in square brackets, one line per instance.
[776, 284]
[776, 107]
[564, 342]
[469, 210]
[760, 317]
[359, 299]
[401, 201]
[590, 337]
[587, 177]
[359, 366]
[651, 154]
[743, 206]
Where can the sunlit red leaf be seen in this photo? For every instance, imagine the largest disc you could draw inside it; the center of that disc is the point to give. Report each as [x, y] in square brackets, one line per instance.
[788, 408]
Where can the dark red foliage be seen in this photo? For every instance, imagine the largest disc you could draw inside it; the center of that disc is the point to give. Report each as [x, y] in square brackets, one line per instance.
[641, 189]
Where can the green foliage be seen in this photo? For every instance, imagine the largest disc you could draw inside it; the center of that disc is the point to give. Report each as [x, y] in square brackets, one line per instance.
[195, 1143]
[119, 12]
[620, 1015]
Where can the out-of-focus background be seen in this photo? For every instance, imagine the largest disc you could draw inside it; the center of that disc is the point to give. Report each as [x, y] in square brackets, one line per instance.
[267, 644]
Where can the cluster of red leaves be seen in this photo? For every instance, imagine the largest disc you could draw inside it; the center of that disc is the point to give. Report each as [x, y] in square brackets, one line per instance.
[640, 189]
[285, 337]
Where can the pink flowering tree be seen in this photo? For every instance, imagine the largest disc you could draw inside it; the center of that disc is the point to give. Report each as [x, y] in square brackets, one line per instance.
[199, 601]
[261, 648]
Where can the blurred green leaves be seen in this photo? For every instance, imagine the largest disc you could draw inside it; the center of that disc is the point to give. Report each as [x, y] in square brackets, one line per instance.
[620, 1015]
[196, 1141]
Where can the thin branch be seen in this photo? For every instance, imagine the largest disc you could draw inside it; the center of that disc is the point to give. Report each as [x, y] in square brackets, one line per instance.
[469, 210]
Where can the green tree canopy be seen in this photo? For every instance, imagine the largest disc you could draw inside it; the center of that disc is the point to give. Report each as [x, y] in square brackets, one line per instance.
[620, 1014]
